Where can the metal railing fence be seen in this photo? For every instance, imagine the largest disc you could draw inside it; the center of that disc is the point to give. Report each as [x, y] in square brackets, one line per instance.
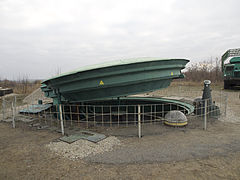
[137, 115]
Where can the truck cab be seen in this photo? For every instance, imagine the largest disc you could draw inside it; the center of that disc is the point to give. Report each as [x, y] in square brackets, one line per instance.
[231, 69]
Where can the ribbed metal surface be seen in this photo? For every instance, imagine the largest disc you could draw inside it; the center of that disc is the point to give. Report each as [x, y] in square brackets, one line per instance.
[114, 79]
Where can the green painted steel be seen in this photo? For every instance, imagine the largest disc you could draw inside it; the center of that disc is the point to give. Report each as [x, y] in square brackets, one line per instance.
[124, 110]
[187, 108]
[231, 70]
[114, 79]
[110, 64]
[235, 60]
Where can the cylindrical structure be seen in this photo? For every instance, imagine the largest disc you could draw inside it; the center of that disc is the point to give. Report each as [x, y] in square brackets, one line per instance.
[207, 91]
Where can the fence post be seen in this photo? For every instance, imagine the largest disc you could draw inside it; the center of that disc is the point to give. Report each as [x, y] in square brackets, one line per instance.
[61, 118]
[205, 114]
[139, 122]
[13, 116]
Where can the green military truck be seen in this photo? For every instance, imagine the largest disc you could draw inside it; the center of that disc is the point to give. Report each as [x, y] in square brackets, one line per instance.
[231, 68]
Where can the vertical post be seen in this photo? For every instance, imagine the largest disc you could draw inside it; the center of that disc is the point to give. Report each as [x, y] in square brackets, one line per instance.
[13, 116]
[205, 114]
[139, 121]
[3, 108]
[61, 118]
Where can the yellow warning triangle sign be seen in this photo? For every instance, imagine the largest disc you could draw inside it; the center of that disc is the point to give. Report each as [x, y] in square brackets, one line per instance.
[101, 83]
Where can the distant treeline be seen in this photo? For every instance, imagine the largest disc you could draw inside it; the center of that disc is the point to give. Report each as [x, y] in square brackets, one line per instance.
[23, 86]
[196, 72]
[200, 71]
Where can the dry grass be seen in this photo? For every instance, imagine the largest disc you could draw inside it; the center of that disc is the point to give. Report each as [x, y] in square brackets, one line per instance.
[200, 71]
[184, 82]
[23, 86]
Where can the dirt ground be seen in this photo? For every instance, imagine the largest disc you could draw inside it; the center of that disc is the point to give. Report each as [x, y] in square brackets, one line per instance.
[179, 153]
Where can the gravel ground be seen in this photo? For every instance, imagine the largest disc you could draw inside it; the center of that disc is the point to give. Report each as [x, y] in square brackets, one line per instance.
[83, 148]
[159, 143]
[175, 146]
[24, 155]
[162, 153]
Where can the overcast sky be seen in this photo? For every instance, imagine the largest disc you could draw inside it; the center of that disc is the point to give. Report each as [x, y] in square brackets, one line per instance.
[39, 38]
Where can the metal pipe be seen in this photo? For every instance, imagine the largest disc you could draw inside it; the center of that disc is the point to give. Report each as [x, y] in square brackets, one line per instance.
[61, 118]
[139, 122]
